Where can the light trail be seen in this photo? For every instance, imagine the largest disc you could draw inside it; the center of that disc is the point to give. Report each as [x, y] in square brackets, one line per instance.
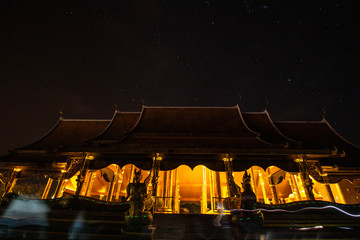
[296, 211]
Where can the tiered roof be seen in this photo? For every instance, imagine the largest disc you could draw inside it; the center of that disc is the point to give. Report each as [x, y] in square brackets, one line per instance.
[120, 125]
[192, 127]
[68, 133]
[192, 135]
[316, 135]
[262, 123]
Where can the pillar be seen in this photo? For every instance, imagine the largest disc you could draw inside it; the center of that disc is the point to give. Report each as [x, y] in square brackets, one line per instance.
[47, 188]
[294, 187]
[218, 188]
[91, 183]
[170, 189]
[211, 175]
[176, 193]
[274, 194]
[59, 185]
[110, 194]
[262, 183]
[305, 178]
[155, 169]
[204, 193]
[228, 171]
[164, 188]
[111, 190]
[81, 177]
[119, 183]
[308, 185]
[86, 183]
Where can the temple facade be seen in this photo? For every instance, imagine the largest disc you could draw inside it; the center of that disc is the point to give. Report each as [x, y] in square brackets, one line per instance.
[192, 158]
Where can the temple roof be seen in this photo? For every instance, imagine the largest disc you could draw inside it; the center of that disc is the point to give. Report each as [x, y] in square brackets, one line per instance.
[120, 124]
[316, 135]
[193, 121]
[68, 132]
[193, 127]
[262, 123]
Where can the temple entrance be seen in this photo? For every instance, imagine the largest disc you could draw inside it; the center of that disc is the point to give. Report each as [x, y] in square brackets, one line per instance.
[185, 190]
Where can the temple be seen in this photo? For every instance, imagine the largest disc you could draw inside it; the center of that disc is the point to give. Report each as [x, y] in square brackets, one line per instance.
[194, 159]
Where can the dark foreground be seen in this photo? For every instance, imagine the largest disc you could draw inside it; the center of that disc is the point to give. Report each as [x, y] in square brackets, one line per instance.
[85, 221]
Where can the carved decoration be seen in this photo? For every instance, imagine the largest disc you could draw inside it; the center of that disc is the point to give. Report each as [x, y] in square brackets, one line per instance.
[314, 169]
[234, 189]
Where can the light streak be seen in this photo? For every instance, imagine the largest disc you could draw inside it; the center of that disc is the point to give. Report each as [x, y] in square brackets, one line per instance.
[310, 228]
[296, 211]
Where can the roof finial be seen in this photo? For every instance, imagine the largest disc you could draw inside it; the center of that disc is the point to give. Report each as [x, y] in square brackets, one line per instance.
[116, 107]
[239, 99]
[61, 114]
[323, 107]
[267, 104]
[142, 101]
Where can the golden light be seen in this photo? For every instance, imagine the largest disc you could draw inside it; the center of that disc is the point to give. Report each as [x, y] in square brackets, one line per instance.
[90, 157]
[17, 169]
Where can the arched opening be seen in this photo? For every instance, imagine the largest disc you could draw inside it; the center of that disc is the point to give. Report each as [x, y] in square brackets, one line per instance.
[108, 183]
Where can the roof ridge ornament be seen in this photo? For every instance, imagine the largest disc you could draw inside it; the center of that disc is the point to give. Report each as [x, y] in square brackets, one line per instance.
[323, 108]
[116, 107]
[61, 114]
[267, 104]
[239, 98]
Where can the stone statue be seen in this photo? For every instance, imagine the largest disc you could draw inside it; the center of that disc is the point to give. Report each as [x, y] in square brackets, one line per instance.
[136, 191]
[248, 197]
[137, 217]
[247, 220]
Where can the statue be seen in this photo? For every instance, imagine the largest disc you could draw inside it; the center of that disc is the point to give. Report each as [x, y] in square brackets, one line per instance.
[245, 217]
[248, 197]
[137, 217]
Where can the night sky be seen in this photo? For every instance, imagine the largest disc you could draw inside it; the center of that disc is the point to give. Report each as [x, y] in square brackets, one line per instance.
[83, 57]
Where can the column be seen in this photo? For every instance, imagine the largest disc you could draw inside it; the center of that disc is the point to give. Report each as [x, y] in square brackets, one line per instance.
[59, 184]
[47, 188]
[218, 188]
[294, 187]
[120, 181]
[176, 193]
[164, 186]
[308, 185]
[274, 194]
[90, 185]
[211, 175]
[81, 177]
[170, 188]
[204, 193]
[110, 194]
[262, 183]
[155, 169]
[305, 179]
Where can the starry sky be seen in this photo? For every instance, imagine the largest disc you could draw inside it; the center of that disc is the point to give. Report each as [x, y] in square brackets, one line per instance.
[298, 58]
